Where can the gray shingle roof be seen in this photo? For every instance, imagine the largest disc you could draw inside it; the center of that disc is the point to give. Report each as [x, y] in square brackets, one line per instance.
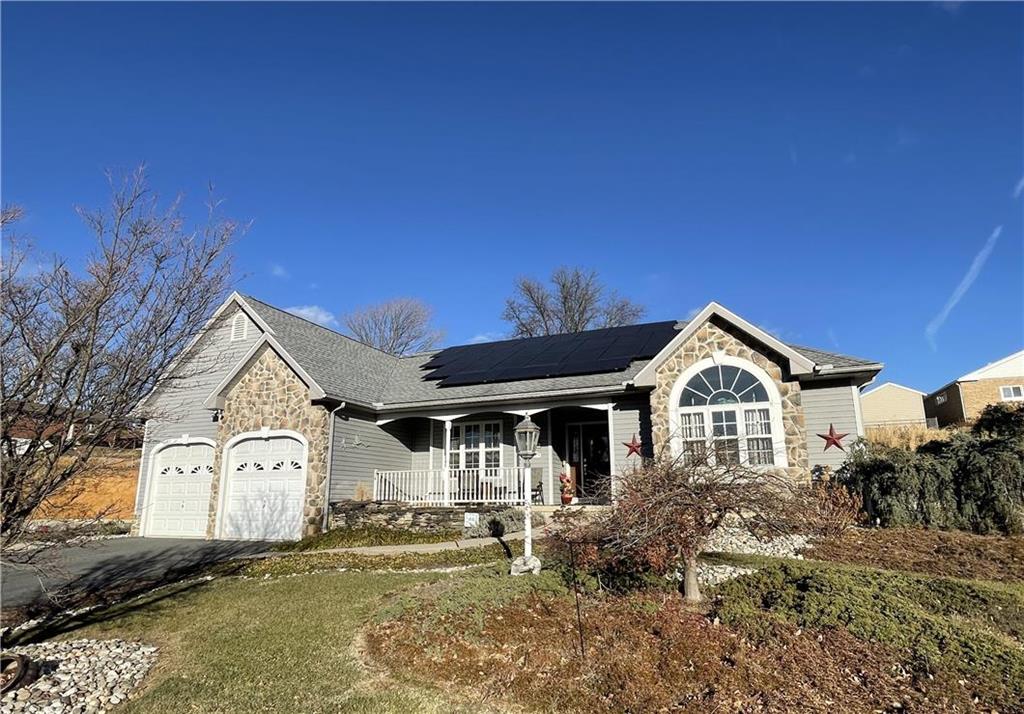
[343, 367]
[350, 370]
[821, 357]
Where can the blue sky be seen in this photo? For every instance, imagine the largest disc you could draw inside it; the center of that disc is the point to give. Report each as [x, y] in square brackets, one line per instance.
[833, 172]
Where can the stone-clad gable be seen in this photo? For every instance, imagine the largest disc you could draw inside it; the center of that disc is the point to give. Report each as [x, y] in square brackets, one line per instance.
[711, 338]
[270, 395]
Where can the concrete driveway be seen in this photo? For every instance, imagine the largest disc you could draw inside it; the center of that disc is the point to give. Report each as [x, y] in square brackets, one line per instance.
[101, 570]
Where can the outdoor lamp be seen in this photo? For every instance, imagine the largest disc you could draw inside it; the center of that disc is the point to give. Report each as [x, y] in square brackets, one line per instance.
[527, 436]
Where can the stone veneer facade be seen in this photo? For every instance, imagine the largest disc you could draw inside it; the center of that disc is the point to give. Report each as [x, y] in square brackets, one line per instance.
[708, 339]
[270, 395]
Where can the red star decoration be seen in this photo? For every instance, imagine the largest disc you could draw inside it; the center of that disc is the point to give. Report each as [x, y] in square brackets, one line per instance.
[833, 439]
[633, 446]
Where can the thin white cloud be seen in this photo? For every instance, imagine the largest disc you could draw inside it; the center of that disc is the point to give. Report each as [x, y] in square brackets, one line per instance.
[694, 311]
[485, 337]
[278, 271]
[1019, 189]
[961, 289]
[832, 338]
[794, 158]
[314, 313]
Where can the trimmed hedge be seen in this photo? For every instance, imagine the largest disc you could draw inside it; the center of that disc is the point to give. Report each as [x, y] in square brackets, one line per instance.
[974, 481]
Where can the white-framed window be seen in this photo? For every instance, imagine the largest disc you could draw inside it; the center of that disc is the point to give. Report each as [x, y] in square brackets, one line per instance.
[940, 399]
[1012, 393]
[729, 409]
[475, 446]
[239, 327]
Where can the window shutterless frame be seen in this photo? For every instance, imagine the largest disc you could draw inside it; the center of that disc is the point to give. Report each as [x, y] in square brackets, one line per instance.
[476, 445]
[731, 408]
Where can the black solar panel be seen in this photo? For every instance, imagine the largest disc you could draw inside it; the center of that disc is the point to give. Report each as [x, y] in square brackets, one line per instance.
[607, 350]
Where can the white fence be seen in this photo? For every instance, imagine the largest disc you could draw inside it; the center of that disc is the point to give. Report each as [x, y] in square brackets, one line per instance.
[430, 487]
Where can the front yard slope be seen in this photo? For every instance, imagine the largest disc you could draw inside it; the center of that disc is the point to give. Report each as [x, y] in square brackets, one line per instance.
[780, 640]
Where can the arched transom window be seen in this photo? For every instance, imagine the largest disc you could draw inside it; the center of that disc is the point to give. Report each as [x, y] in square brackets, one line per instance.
[725, 410]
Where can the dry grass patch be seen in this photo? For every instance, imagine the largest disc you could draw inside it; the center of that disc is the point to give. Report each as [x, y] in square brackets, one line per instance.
[944, 553]
[105, 488]
[905, 436]
[644, 652]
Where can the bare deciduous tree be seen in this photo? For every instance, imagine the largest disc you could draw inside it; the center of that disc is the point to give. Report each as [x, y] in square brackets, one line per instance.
[400, 326]
[81, 348]
[575, 301]
[665, 512]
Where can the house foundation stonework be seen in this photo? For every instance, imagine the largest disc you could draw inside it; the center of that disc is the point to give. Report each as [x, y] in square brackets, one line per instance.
[704, 343]
[269, 395]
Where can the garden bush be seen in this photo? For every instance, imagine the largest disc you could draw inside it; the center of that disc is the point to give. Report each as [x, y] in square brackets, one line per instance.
[973, 481]
[967, 627]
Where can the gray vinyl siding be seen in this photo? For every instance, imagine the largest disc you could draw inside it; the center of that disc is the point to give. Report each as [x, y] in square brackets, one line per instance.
[629, 418]
[360, 447]
[178, 409]
[834, 403]
[421, 442]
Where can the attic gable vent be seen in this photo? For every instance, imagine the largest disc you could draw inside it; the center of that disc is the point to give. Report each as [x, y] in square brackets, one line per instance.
[239, 327]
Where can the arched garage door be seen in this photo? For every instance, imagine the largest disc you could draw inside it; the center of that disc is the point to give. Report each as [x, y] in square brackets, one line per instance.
[266, 486]
[179, 502]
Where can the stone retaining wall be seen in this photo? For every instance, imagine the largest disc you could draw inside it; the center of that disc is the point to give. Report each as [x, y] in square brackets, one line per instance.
[425, 519]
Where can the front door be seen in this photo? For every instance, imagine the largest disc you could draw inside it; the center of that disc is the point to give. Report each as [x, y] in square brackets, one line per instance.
[590, 461]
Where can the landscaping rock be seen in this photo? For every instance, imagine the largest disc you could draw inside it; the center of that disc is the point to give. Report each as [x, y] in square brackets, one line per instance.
[84, 676]
[739, 540]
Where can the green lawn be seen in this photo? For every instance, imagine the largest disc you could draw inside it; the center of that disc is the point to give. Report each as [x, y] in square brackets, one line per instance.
[278, 645]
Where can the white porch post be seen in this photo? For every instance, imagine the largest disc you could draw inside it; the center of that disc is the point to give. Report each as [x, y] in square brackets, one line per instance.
[550, 496]
[446, 462]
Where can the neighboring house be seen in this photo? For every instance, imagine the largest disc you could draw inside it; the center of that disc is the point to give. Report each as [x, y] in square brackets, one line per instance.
[36, 424]
[963, 399]
[274, 418]
[892, 404]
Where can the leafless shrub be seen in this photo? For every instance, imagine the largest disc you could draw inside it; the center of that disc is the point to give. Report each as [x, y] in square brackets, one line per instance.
[80, 348]
[665, 512]
[824, 508]
[575, 301]
[400, 326]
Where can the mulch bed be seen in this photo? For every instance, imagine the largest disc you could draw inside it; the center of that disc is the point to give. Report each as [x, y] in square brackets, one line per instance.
[933, 552]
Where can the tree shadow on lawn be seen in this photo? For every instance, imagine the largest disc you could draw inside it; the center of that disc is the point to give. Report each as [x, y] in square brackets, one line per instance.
[111, 587]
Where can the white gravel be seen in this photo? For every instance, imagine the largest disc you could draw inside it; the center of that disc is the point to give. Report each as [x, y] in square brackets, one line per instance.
[739, 540]
[80, 676]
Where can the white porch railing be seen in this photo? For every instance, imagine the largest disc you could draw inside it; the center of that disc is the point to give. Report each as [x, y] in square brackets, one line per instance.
[428, 487]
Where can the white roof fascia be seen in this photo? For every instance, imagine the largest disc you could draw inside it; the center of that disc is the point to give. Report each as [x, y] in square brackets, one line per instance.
[798, 363]
[892, 384]
[216, 400]
[980, 372]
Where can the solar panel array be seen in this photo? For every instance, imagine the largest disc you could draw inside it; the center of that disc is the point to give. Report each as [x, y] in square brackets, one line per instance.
[608, 350]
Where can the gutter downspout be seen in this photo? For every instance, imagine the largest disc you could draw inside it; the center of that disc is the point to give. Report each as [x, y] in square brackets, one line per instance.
[330, 463]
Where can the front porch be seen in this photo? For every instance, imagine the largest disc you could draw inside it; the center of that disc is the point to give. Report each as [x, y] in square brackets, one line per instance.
[440, 487]
[461, 459]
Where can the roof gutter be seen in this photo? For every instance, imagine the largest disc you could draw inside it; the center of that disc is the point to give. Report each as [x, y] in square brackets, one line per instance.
[330, 456]
[498, 398]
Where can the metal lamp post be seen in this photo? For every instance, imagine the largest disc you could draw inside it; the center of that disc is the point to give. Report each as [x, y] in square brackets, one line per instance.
[527, 436]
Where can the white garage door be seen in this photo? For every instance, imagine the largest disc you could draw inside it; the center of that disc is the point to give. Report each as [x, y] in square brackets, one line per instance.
[266, 486]
[179, 502]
